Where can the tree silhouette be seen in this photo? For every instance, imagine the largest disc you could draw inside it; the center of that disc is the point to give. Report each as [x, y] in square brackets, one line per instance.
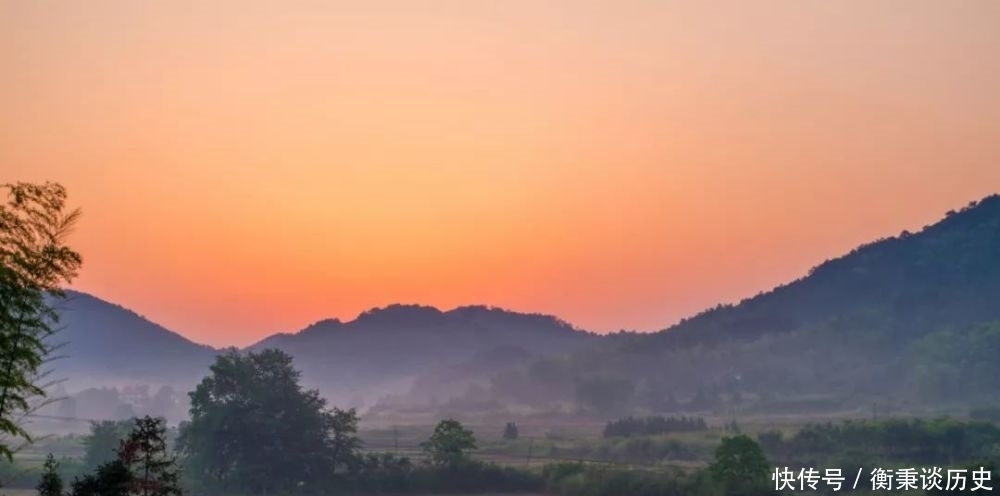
[740, 465]
[255, 429]
[450, 443]
[51, 484]
[142, 466]
[144, 452]
[34, 263]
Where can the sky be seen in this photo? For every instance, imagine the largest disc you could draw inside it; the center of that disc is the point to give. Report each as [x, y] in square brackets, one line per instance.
[250, 167]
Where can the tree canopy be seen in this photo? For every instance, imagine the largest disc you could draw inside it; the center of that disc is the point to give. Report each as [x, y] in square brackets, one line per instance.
[450, 443]
[142, 466]
[34, 263]
[740, 465]
[254, 428]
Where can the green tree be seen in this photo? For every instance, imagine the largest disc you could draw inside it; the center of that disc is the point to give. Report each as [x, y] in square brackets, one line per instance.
[343, 432]
[450, 443]
[51, 484]
[740, 466]
[254, 429]
[144, 452]
[103, 441]
[34, 264]
[110, 479]
[142, 465]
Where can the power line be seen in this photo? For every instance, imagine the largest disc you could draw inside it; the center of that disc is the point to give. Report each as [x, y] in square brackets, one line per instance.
[57, 417]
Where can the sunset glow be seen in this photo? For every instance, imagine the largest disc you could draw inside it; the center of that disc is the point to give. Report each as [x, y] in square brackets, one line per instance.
[251, 167]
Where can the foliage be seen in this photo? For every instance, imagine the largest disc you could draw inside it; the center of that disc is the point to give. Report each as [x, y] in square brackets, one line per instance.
[960, 364]
[34, 263]
[254, 429]
[103, 441]
[510, 431]
[110, 479]
[144, 452]
[740, 465]
[450, 443]
[51, 483]
[345, 443]
[141, 467]
[910, 320]
[940, 441]
[651, 426]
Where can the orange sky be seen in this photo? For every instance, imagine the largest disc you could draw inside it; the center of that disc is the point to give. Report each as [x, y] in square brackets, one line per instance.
[250, 167]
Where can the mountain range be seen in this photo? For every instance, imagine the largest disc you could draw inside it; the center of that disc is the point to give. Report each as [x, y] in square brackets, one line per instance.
[379, 352]
[910, 320]
[865, 316]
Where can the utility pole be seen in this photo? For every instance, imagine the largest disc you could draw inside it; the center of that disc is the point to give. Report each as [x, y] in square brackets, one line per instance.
[531, 444]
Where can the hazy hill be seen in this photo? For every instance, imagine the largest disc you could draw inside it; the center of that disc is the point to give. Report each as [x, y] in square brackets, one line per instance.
[103, 343]
[948, 274]
[909, 319]
[383, 350]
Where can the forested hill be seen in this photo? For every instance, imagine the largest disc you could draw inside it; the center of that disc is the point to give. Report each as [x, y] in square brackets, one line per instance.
[381, 351]
[385, 348]
[946, 275]
[912, 320]
[101, 341]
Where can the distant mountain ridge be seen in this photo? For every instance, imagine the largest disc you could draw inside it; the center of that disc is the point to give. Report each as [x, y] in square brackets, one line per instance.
[104, 341]
[874, 315]
[948, 274]
[912, 319]
[384, 347]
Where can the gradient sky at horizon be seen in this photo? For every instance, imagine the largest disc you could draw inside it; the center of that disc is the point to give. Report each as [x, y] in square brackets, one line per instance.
[249, 167]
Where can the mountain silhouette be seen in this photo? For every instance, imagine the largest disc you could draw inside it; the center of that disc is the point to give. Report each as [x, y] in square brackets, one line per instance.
[384, 349]
[101, 341]
[908, 311]
[909, 319]
[948, 274]
[381, 351]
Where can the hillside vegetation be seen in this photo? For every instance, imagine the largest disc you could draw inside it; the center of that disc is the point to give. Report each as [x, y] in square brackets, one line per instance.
[905, 321]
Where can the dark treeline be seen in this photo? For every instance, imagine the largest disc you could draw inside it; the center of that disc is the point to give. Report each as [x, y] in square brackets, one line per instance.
[651, 426]
[937, 442]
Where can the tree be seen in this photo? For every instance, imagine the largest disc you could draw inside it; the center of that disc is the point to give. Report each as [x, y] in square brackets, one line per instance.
[450, 443]
[101, 445]
[254, 429]
[510, 431]
[344, 440]
[51, 484]
[141, 467]
[740, 466]
[144, 452]
[110, 479]
[34, 263]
